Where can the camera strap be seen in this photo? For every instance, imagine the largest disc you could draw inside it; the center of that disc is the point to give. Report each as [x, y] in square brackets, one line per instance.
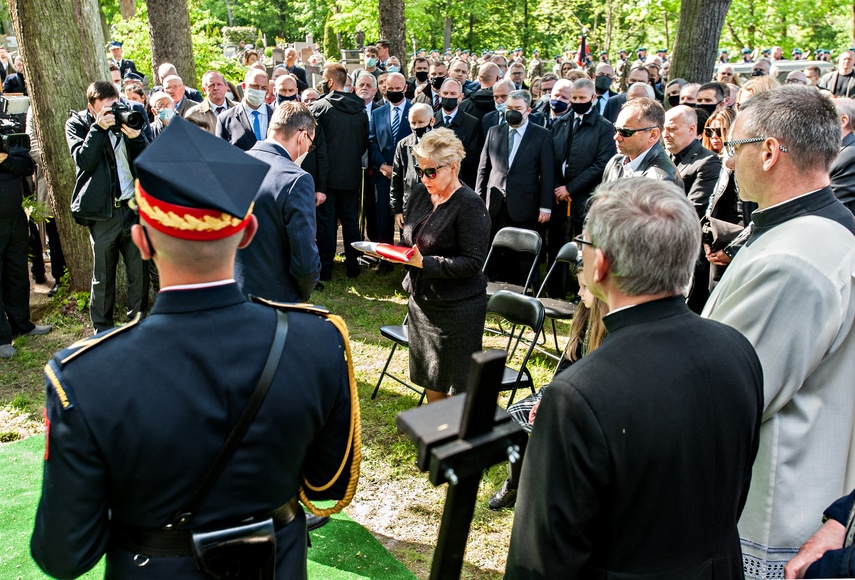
[264, 381]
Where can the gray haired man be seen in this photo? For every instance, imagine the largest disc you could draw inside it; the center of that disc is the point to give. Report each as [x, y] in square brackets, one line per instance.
[640, 456]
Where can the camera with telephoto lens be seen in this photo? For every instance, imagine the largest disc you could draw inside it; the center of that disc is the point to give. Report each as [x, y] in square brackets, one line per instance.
[11, 139]
[126, 116]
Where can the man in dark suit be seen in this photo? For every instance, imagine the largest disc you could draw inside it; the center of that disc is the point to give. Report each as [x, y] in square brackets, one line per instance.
[637, 132]
[297, 71]
[246, 124]
[465, 126]
[515, 177]
[583, 142]
[111, 495]
[389, 124]
[616, 103]
[843, 166]
[205, 114]
[640, 458]
[700, 169]
[282, 263]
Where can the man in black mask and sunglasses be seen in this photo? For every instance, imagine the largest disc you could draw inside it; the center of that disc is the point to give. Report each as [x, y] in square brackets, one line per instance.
[640, 154]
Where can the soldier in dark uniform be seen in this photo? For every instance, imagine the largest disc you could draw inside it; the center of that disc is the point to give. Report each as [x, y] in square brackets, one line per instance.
[126, 449]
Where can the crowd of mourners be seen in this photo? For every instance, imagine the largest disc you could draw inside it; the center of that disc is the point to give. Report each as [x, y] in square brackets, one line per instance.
[731, 199]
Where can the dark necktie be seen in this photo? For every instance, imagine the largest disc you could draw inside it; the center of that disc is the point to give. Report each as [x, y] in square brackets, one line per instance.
[435, 102]
[396, 124]
[447, 120]
[576, 124]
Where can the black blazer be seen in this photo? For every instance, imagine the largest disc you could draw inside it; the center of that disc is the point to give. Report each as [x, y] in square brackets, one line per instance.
[234, 126]
[640, 458]
[843, 173]
[527, 183]
[656, 165]
[699, 167]
[613, 107]
[468, 130]
[585, 152]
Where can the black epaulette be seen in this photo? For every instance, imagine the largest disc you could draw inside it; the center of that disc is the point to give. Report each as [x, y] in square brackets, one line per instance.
[292, 306]
[53, 369]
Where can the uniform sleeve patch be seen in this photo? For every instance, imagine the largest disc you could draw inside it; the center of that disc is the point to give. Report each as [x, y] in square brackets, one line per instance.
[55, 379]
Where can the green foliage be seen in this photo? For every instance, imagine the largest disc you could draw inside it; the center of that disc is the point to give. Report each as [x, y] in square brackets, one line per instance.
[234, 34]
[39, 212]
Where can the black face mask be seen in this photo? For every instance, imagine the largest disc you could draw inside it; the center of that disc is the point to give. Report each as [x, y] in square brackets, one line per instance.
[325, 87]
[514, 118]
[420, 132]
[758, 73]
[707, 107]
[603, 84]
[280, 99]
[395, 97]
[673, 100]
[421, 76]
[581, 108]
[448, 104]
[436, 82]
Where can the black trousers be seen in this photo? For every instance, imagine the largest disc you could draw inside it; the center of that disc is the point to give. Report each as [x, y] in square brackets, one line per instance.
[110, 239]
[341, 204]
[510, 266]
[14, 279]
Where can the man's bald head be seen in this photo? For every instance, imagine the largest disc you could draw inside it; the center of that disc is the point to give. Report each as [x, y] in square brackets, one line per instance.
[488, 74]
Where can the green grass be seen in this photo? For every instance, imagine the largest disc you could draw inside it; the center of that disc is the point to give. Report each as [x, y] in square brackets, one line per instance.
[395, 502]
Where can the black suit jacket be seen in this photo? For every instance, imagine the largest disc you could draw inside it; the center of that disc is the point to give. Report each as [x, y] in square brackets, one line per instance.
[640, 458]
[843, 173]
[699, 167]
[613, 107]
[527, 183]
[468, 130]
[235, 127]
[656, 165]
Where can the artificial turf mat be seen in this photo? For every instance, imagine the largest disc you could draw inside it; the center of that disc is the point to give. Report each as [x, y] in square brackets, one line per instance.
[341, 549]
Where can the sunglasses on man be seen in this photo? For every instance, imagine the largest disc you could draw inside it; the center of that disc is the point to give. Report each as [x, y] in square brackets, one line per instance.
[623, 132]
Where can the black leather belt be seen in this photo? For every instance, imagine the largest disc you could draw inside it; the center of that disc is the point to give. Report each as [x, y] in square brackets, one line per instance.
[173, 543]
[117, 203]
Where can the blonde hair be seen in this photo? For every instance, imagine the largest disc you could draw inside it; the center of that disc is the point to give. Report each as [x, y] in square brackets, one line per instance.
[441, 146]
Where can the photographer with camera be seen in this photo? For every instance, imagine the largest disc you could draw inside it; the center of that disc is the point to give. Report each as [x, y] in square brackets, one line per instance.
[15, 165]
[104, 139]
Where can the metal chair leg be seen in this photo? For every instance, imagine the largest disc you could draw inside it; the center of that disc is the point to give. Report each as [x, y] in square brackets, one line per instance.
[383, 372]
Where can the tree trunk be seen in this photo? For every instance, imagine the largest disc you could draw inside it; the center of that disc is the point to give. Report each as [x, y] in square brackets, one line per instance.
[696, 40]
[128, 8]
[393, 29]
[61, 50]
[446, 33]
[169, 30]
[853, 23]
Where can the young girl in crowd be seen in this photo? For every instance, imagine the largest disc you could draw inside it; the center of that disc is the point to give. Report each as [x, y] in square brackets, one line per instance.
[587, 332]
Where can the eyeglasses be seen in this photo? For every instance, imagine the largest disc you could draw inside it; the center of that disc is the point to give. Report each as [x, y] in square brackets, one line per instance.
[710, 131]
[429, 172]
[630, 132]
[731, 145]
[580, 240]
[311, 142]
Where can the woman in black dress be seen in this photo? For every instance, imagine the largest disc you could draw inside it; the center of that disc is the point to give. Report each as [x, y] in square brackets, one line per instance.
[450, 227]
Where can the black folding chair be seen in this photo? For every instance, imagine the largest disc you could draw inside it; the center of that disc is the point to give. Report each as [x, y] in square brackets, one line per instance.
[521, 311]
[399, 335]
[556, 308]
[516, 240]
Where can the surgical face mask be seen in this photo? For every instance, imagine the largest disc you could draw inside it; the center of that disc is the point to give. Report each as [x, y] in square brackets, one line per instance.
[420, 131]
[673, 100]
[602, 84]
[581, 108]
[421, 76]
[370, 62]
[230, 96]
[558, 107]
[302, 157]
[448, 104]
[118, 87]
[255, 97]
[165, 115]
[501, 107]
[391, 69]
[395, 97]
[514, 118]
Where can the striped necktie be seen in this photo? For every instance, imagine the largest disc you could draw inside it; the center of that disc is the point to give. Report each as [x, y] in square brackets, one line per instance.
[396, 124]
